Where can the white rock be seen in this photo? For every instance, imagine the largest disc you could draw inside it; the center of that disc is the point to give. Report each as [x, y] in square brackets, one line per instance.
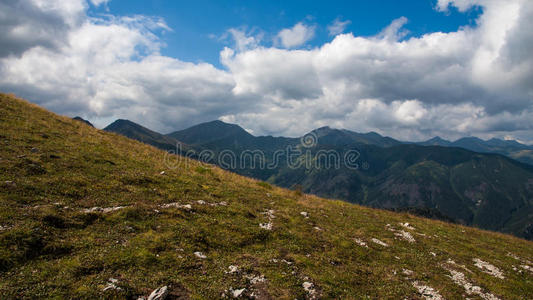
[527, 268]
[269, 213]
[177, 205]
[376, 241]
[111, 285]
[200, 255]
[305, 214]
[237, 292]
[159, 293]
[407, 272]
[488, 268]
[317, 228]
[460, 279]
[266, 226]
[309, 287]
[427, 292]
[405, 235]
[232, 269]
[360, 243]
[407, 225]
[102, 210]
[162, 173]
[256, 279]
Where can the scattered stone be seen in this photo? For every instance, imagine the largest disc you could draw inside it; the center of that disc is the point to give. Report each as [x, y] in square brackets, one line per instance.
[527, 268]
[427, 292]
[433, 254]
[201, 202]
[162, 173]
[255, 279]
[309, 288]
[374, 240]
[34, 150]
[275, 260]
[460, 279]
[401, 233]
[237, 292]
[232, 269]
[407, 272]
[159, 293]
[305, 214]
[405, 235]
[269, 213]
[407, 225]
[111, 285]
[177, 205]
[526, 264]
[266, 226]
[360, 243]
[488, 268]
[223, 203]
[200, 255]
[317, 228]
[103, 210]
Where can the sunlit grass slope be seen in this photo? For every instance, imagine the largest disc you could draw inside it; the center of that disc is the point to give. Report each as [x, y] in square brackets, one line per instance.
[89, 214]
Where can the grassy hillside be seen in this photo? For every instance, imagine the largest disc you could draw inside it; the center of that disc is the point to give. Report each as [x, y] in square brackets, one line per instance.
[89, 214]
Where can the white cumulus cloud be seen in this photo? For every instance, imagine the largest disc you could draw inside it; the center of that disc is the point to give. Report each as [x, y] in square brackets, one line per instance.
[296, 36]
[338, 26]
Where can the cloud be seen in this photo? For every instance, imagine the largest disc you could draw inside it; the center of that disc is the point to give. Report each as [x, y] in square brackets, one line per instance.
[394, 31]
[99, 2]
[296, 36]
[461, 5]
[474, 81]
[27, 24]
[338, 26]
[243, 40]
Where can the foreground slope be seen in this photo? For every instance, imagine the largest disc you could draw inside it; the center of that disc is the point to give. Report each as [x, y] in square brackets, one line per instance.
[89, 214]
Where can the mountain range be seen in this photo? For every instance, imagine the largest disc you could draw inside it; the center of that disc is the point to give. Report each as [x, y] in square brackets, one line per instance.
[436, 178]
[510, 148]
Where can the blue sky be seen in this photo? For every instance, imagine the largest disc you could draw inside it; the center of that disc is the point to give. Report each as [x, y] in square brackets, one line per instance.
[197, 26]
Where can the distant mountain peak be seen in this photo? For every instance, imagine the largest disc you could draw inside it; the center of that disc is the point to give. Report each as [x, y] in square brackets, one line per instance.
[78, 118]
[210, 131]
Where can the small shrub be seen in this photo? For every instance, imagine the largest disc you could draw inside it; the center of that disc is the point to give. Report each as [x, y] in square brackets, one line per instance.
[264, 185]
[298, 190]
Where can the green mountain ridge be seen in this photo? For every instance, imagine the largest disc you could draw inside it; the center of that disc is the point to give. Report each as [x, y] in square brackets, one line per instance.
[510, 148]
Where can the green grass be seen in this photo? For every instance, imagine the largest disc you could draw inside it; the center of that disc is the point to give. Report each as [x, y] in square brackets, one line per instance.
[51, 248]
